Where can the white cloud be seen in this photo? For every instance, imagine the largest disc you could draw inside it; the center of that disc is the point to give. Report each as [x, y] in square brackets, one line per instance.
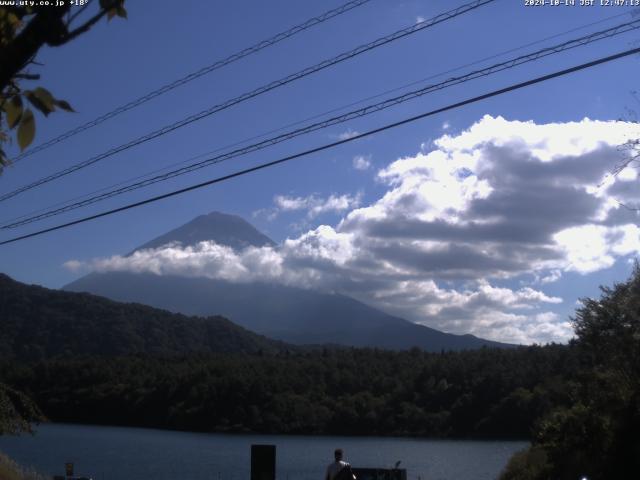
[290, 203]
[362, 162]
[491, 205]
[521, 298]
[589, 248]
[433, 185]
[544, 327]
[206, 259]
[347, 134]
[74, 266]
[546, 142]
[551, 277]
[628, 174]
[540, 328]
[315, 205]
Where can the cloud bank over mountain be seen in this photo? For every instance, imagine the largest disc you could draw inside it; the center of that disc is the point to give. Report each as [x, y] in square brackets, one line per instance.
[498, 204]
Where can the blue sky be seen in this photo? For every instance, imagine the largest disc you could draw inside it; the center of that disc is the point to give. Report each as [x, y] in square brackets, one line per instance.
[333, 203]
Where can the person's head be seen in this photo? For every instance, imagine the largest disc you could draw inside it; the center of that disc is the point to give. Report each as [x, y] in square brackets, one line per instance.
[338, 454]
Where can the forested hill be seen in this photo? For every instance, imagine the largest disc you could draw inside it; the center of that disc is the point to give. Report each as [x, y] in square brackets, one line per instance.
[484, 392]
[37, 323]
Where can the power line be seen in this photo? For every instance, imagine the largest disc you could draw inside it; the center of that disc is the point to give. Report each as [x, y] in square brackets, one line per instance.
[534, 56]
[313, 117]
[312, 22]
[254, 93]
[262, 166]
[585, 40]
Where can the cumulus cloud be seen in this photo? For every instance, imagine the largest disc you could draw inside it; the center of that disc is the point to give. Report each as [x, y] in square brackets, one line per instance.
[205, 259]
[521, 196]
[589, 248]
[362, 162]
[457, 227]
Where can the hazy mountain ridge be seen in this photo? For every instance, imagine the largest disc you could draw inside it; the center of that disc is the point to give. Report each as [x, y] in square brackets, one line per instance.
[37, 322]
[285, 313]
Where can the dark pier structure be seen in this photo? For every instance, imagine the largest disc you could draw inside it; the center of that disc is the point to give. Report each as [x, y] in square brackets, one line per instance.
[263, 467]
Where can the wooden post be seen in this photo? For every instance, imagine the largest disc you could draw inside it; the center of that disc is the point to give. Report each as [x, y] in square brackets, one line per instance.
[263, 462]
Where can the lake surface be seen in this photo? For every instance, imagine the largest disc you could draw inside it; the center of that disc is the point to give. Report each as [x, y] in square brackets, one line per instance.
[110, 453]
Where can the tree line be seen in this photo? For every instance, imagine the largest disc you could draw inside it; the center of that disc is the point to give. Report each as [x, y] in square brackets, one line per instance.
[487, 392]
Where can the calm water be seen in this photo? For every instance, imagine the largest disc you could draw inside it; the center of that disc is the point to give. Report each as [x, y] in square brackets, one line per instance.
[110, 453]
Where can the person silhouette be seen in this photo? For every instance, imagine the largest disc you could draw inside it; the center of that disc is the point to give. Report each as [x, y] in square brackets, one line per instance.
[336, 467]
[339, 469]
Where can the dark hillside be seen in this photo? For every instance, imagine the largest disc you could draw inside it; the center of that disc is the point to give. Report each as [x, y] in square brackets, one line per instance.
[37, 323]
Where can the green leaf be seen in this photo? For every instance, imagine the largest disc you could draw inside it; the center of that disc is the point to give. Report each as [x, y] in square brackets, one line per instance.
[45, 96]
[13, 20]
[13, 108]
[42, 101]
[112, 13]
[64, 105]
[121, 12]
[26, 130]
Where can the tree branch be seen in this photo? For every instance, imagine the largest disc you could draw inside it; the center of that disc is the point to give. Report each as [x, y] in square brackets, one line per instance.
[45, 27]
[89, 23]
[83, 28]
[27, 76]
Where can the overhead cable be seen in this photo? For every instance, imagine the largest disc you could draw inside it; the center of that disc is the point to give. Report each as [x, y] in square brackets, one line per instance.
[312, 22]
[308, 119]
[254, 93]
[305, 153]
[493, 69]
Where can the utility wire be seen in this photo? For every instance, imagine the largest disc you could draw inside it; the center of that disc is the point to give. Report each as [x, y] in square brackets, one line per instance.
[254, 93]
[314, 117]
[312, 22]
[308, 119]
[585, 40]
[262, 166]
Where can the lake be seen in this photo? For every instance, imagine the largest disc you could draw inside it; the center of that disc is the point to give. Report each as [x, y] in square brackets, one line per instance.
[110, 453]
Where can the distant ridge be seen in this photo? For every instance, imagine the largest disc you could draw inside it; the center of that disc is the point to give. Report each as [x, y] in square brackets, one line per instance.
[285, 313]
[281, 312]
[38, 323]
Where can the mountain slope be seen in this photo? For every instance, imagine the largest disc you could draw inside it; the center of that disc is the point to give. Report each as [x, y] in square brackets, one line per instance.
[218, 227]
[36, 322]
[285, 313]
